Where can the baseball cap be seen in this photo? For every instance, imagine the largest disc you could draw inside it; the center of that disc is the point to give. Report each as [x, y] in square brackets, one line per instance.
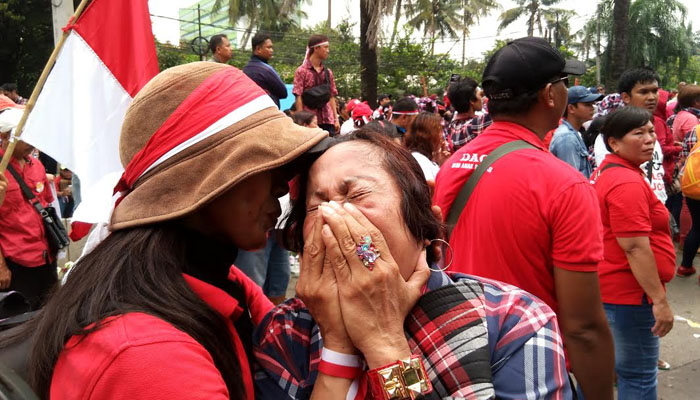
[352, 103]
[581, 94]
[362, 112]
[523, 66]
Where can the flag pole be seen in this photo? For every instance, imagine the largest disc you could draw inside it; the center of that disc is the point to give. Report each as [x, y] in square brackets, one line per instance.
[37, 89]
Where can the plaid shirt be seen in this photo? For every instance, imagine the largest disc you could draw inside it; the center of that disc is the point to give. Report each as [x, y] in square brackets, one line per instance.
[307, 77]
[523, 355]
[691, 138]
[463, 131]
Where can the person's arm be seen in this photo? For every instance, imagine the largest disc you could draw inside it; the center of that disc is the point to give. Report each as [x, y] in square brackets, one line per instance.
[585, 330]
[5, 273]
[277, 86]
[335, 115]
[577, 247]
[643, 264]
[3, 188]
[298, 105]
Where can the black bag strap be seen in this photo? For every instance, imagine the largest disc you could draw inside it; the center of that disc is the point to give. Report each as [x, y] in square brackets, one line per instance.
[26, 191]
[328, 77]
[466, 191]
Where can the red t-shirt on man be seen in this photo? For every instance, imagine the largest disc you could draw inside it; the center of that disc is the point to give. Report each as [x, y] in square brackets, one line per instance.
[139, 356]
[22, 237]
[529, 213]
[629, 208]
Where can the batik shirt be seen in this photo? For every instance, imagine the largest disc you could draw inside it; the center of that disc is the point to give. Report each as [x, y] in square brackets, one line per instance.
[463, 131]
[523, 350]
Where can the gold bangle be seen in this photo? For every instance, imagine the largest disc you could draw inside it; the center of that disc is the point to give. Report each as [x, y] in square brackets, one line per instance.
[404, 379]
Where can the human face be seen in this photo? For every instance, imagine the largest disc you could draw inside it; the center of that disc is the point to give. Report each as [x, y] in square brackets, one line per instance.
[265, 50]
[637, 146]
[22, 148]
[351, 172]
[224, 51]
[582, 111]
[322, 51]
[478, 104]
[244, 214]
[385, 101]
[643, 95]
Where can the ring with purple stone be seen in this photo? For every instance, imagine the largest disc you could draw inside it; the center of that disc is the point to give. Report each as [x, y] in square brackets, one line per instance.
[367, 252]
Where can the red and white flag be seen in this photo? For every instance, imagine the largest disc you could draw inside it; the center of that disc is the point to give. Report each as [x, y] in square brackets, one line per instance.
[108, 56]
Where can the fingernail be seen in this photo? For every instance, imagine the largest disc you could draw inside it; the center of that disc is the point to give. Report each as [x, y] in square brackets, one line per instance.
[349, 207]
[326, 210]
[334, 204]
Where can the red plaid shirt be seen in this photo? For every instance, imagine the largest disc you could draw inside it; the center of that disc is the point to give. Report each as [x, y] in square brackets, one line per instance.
[307, 77]
[495, 339]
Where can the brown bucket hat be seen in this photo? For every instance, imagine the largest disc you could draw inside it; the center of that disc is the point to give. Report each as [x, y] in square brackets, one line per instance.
[262, 141]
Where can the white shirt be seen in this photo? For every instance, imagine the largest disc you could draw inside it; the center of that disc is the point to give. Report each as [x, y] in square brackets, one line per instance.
[347, 127]
[430, 169]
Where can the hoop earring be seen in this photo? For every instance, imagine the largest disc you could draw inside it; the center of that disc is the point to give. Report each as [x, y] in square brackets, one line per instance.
[451, 255]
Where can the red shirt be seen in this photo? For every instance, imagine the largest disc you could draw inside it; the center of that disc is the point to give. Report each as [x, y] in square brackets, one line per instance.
[306, 77]
[531, 212]
[629, 208]
[139, 356]
[22, 237]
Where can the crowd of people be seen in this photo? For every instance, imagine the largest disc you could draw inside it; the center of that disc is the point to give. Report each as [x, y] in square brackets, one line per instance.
[511, 238]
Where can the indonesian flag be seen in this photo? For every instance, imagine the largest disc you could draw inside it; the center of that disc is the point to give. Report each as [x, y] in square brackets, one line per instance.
[108, 56]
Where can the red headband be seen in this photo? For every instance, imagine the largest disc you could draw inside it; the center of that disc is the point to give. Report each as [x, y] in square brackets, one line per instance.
[225, 97]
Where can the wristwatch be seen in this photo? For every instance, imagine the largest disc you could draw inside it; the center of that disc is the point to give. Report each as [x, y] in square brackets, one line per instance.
[403, 379]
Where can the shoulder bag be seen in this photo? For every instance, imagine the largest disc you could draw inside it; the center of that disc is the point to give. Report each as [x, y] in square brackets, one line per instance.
[317, 96]
[55, 232]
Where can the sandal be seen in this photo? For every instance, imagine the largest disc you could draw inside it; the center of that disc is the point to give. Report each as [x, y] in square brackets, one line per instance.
[663, 365]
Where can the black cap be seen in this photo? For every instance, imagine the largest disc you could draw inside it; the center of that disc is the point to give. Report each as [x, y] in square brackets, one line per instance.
[384, 96]
[525, 65]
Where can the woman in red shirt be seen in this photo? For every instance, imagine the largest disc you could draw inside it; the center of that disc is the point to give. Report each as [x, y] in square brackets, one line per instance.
[156, 310]
[639, 256]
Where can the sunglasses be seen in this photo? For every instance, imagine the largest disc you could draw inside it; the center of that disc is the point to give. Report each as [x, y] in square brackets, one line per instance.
[564, 79]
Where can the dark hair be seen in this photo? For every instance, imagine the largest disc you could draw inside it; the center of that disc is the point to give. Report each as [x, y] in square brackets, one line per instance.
[623, 120]
[303, 117]
[594, 129]
[405, 104]
[9, 87]
[519, 104]
[314, 40]
[258, 40]
[461, 93]
[134, 270]
[688, 95]
[216, 41]
[425, 135]
[397, 162]
[634, 76]
[383, 127]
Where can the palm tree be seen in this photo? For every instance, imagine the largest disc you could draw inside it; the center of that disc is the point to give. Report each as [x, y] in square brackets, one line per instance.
[558, 28]
[273, 15]
[532, 9]
[371, 12]
[471, 11]
[619, 49]
[437, 18]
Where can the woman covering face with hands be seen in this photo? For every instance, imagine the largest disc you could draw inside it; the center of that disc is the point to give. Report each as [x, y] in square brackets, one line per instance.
[372, 320]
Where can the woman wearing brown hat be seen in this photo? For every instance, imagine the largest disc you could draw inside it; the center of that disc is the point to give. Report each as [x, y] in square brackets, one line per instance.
[156, 311]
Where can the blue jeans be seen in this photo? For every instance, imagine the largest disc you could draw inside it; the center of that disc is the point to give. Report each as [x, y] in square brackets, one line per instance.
[636, 350]
[268, 267]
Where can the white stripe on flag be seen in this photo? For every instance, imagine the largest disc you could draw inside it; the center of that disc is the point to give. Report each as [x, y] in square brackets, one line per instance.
[227, 120]
[77, 120]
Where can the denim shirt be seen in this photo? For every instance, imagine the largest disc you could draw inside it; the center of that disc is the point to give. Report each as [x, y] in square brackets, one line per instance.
[567, 145]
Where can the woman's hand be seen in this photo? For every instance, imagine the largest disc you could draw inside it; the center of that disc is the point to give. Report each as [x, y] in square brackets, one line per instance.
[664, 318]
[318, 289]
[374, 303]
